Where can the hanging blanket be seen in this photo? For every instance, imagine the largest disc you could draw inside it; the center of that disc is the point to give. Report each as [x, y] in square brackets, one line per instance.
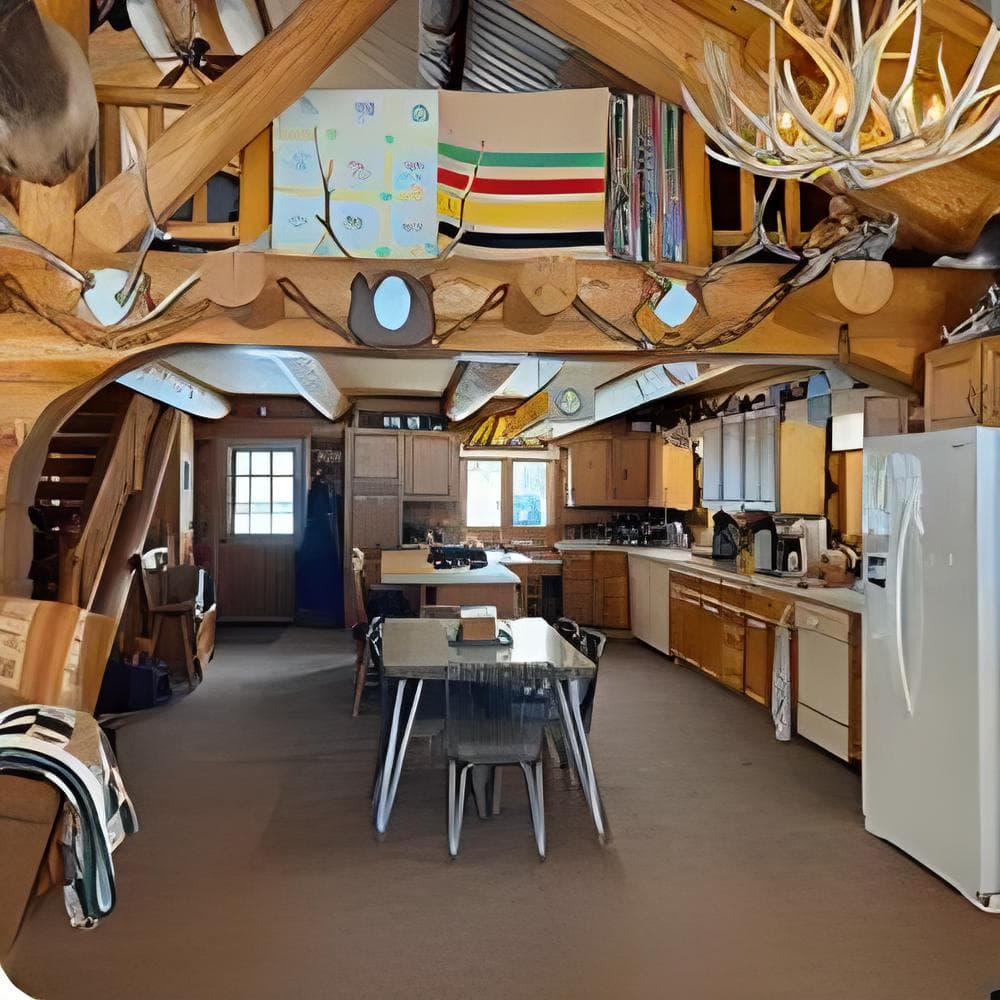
[69, 751]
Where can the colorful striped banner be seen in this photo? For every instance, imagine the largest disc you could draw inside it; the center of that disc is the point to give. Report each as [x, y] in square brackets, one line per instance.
[541, 159]
[498, 185]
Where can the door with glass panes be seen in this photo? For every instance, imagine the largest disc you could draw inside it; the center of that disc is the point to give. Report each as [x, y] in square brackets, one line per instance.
[264, 501]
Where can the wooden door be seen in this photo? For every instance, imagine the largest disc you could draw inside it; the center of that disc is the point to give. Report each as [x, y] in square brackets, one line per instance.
[639, 597]
[991, 381]
[589, 471]
[953, 378]
[732, 653]
[678, 477]
[732, 458]
[659, 606]
[375, 522]
[630, 470]
[710, 638]
[710, 432]
[427, 463]
[611, 589]
[256, 581]
[758, 660]
[578, 586]
[376, 455]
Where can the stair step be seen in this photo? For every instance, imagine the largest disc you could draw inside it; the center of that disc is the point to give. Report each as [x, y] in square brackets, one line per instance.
[85, 422]
[61, 491]
[77, 444]
[64, 466]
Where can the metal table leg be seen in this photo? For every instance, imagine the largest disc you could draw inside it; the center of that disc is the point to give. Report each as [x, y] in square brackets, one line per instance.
[576, 738]
[395, 752]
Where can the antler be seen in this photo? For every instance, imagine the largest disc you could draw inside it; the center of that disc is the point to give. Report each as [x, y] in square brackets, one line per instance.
[854, 130]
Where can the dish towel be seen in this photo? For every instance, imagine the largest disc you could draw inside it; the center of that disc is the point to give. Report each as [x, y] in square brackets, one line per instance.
[781, 682]
[36, 741]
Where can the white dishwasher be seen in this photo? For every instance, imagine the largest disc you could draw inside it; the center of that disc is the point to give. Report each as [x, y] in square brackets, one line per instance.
[823, 703]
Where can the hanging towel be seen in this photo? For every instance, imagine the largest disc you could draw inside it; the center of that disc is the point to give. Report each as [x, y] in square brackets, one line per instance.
[781, 680]
[39, 741]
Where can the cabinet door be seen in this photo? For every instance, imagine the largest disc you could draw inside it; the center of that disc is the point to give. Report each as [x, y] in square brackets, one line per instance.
[376, 456]
[758, 660]
[732, 457]
[630, 470]
[659, 606]
[611, 589]
[991, 381]
[733, 642]
[710, 639]
[589, 470]
[760, 466]
[678, 477]
[578, 587]
[375, 522]
[710, 432]
[953, 380]
[752, 461]
[428, 465]
[639, 597]
[824, 674]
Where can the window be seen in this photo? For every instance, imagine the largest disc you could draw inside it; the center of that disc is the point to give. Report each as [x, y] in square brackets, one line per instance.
[529, 494]
[262, 491]
[506, 493]
[483, 493]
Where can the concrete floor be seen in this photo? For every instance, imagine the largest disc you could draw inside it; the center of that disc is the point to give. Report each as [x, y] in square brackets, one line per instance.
[739, 867]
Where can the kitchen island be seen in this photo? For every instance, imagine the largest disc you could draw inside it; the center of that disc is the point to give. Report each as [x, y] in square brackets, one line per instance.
[492, 584]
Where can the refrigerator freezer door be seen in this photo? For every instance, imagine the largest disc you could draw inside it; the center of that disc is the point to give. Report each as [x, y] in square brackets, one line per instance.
[922, 756]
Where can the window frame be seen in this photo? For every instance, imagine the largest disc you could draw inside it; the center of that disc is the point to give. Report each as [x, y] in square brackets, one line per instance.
[293, 445]
[507, 525]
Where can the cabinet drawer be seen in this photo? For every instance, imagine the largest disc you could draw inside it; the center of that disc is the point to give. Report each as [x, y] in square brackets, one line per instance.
[825, 732]
[824, 675]
[733, 597]
[683, 580]
[813, 618]
[764, 605]
[712, 589]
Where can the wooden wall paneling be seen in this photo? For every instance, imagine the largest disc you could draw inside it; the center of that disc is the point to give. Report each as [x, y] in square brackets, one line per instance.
[256, 581]
[255, 187]
[375, 521]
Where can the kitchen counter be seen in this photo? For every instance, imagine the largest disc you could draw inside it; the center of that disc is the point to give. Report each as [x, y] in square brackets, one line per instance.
[834, 597]
[410, 567]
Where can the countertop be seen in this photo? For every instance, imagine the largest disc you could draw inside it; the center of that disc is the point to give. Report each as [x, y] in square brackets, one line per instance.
[835, 597]
[410, 567]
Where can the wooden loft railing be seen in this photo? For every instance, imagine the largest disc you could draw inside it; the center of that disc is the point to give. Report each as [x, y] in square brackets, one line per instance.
[159, 107]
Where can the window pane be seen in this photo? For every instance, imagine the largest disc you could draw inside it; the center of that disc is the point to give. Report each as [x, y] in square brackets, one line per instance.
[241, 524]
[260, 463]
[260, 524]
[529, 494]
[242, 489]
[283, 463]
[483, 493]
[260, 495]
[242, 463]
[282, 490]
[282, 524]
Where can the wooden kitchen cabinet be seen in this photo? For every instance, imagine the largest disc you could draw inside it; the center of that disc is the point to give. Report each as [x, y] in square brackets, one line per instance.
[630, 471]
[375, 522]
[430, 467]
[578, 586]
[962, 384]
[739, 460]
[610, 590]
[589, 473]
[376, 455]
[671, 475]
[731, 656]
[758, 660]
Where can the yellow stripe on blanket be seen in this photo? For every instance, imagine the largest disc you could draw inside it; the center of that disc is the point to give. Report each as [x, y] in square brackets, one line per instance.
[538, 214]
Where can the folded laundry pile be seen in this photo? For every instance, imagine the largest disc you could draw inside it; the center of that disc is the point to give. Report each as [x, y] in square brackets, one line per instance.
[69, 751]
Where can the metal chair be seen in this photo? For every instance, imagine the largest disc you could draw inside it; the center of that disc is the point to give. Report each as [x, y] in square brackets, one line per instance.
[591, 643]
[495, 716]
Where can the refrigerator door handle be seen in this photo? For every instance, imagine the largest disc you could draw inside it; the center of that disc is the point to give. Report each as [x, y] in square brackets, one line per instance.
[900, 656]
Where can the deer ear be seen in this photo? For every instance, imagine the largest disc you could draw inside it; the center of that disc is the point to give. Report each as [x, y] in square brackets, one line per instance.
[397, 312]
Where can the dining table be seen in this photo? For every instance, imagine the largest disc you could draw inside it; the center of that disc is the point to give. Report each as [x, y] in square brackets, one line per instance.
[416, 651]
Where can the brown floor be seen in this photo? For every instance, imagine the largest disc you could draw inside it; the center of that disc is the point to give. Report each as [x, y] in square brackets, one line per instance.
[739, 868]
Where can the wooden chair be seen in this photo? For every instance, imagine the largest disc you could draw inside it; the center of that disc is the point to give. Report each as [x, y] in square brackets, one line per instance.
[177, 616]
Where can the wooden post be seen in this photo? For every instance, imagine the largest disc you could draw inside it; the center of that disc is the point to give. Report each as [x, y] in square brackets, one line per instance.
[696, 194]
[47, 213]
[232, 112]
[255, 188]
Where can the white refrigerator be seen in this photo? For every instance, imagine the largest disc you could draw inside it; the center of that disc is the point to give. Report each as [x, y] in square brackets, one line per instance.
[931, 678]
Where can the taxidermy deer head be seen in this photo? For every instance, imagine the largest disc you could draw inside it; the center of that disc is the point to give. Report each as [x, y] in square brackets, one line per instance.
[48, 108]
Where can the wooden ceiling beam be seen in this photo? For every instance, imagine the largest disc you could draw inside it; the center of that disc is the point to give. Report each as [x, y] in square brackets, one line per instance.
[232, 112]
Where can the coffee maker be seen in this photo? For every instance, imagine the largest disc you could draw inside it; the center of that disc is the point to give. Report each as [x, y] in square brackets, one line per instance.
[790, 553]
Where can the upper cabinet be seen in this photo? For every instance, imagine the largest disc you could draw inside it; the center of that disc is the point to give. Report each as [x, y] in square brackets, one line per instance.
[671, 475]
[609, 472]
[740, 460]
[376, 455]
[960, 384]
[430, 467]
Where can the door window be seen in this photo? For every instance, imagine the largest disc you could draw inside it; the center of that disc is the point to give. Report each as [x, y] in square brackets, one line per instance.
[262, 491]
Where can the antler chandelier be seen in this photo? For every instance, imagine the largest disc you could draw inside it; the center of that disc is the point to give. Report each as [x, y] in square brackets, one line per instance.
[826, 110]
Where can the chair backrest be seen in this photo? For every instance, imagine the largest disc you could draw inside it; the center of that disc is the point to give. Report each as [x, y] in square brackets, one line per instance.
[374, 640]
[496, 714]
[589, 641]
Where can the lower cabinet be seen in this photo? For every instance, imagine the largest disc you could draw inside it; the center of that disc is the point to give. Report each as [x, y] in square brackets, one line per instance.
[596, 588]
[758, 659]
[649, 601]
[733, 644]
